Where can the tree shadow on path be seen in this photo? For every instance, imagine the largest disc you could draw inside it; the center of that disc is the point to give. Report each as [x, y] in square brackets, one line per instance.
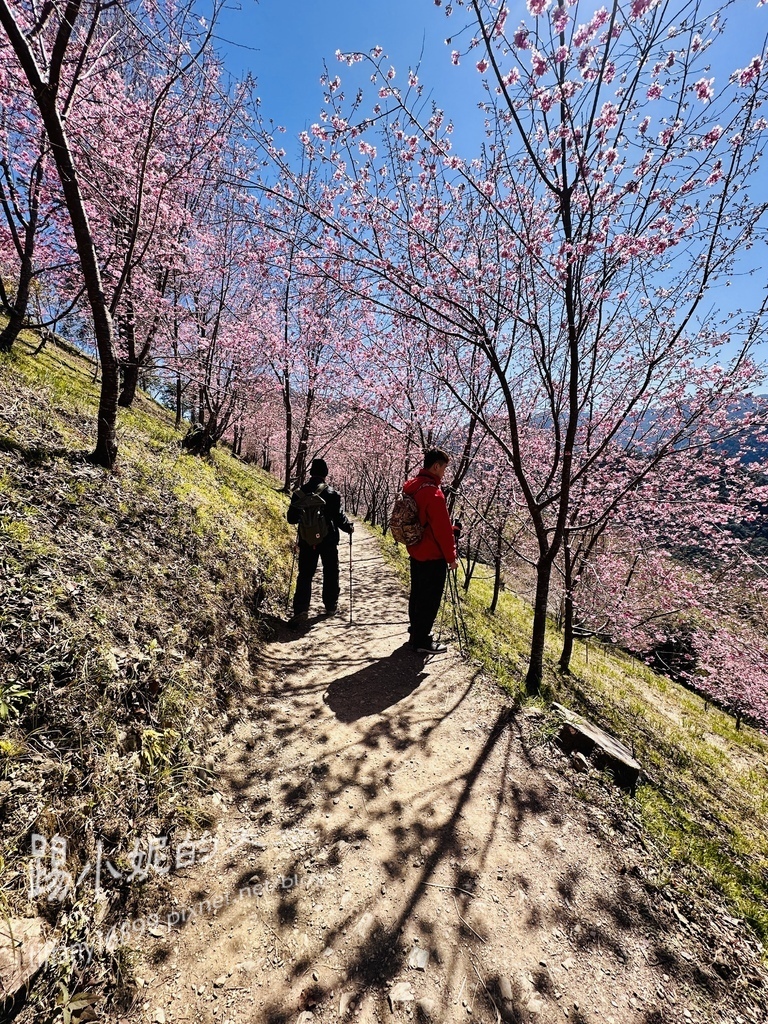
[373, 689]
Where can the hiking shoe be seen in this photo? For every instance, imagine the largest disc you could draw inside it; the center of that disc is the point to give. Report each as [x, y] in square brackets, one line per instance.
[298, 620]
[332, 611]
[430, 647]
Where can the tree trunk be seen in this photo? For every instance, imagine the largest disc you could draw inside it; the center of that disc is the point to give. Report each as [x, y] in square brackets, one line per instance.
[105, 452]
[19, 309]
[130, 383]
[179, 410]
[288, 434]
[496, 574]
[535, 672]
[11, 330]
[130, 366]
[567, 651]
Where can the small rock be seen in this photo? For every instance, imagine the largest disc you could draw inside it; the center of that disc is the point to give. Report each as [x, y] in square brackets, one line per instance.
[400, 995]
[246, 966]
[220, 982]
[418, 959]
[345, 1001]
[159, 1016]
[366, 924]
[305, 1018]
[535, 1004]
[579, 762]
[505, 989]
[427, 1008]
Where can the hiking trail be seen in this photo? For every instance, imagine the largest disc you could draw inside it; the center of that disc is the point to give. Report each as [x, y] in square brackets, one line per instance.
[394, 843]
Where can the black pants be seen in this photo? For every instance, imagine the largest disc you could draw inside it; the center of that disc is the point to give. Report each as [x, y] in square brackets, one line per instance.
[427, 583]
[328, 553]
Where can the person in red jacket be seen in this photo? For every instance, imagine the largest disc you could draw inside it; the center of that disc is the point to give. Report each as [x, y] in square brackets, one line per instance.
[434, 554]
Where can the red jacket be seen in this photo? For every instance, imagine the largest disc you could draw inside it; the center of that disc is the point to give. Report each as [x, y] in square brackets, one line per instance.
[438, 540]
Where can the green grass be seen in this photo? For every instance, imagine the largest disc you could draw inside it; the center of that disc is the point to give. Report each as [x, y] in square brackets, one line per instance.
[703, 803]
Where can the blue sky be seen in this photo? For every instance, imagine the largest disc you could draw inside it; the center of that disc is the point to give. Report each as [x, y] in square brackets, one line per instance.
[284, 43]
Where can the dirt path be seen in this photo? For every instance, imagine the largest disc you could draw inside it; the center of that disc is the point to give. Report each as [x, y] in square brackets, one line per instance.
[391, 847]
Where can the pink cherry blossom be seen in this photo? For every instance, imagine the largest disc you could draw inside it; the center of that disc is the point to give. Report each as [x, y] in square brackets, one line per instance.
[716, 173]
[746, 76]
[520, 38]
[539, 64]
[560, 19]
[639, 8]
[703, 89]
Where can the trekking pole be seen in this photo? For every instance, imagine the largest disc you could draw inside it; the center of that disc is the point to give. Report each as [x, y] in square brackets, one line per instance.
[458, 616]
[462, 620]
[350, 579]
[441, 616]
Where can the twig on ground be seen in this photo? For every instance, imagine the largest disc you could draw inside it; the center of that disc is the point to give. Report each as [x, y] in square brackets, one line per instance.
[465, 923]
[487, 992]
[452, 888]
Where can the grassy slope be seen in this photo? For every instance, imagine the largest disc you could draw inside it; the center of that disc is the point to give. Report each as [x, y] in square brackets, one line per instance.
[704, 800]
[127, 619]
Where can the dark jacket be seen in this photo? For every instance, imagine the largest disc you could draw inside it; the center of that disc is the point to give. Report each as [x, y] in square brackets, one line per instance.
[439, 540]
[333, 510]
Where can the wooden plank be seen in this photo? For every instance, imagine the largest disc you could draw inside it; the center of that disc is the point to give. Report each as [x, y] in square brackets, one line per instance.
[604, 750]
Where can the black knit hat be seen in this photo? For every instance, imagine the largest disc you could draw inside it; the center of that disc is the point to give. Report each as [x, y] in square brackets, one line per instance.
[319, 467]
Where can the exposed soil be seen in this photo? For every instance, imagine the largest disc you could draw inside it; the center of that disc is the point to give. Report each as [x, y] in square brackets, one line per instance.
[394, 840]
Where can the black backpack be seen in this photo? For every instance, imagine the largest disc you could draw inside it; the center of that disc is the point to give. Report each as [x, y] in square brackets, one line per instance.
[313, 524]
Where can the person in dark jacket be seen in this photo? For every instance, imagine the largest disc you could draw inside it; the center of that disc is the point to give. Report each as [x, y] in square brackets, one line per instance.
[434, 554]
[327, 551]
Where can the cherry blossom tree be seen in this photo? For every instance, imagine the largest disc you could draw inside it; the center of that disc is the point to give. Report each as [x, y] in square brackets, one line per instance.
[37, 256]
[47, 46]
[64, 56]
[573, 255]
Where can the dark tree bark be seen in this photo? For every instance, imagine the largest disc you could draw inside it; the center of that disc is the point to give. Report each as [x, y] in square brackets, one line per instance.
[567, 651]
[497, 559]
[25, 248]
